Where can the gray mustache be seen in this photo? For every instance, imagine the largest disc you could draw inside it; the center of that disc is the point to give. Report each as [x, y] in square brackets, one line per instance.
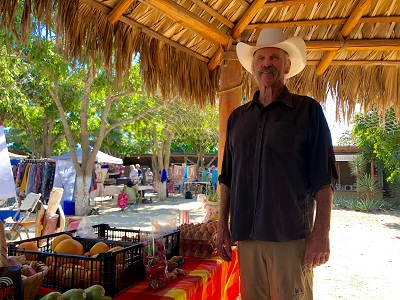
[269, 69]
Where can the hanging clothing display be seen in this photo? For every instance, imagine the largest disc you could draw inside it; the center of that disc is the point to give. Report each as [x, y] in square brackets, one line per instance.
[35, 176]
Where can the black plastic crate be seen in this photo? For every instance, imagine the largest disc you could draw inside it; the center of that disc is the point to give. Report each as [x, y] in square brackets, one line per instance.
[115, 271]
[170, 240]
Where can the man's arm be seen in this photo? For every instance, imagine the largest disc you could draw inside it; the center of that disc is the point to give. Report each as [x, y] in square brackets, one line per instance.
[224, 236]
[317, 244]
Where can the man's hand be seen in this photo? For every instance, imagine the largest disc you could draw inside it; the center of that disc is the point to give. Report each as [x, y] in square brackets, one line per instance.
[317, 250]
[224, 243]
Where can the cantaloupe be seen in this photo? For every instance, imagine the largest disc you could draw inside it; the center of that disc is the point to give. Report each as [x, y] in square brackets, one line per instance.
[70, 246]
[73, 277]
[120, 256]
[98, 247]
[58, 239]
[29, 246]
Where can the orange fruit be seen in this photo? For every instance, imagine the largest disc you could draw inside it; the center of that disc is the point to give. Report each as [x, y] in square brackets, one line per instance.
[69, 246]
[93, 264]
[98, 247]
[120, 256]
[73, 277]
[92, 277]
[29, 246]
[58, 239]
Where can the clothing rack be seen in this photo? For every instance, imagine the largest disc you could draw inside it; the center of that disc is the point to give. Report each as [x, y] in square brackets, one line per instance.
[34, 160]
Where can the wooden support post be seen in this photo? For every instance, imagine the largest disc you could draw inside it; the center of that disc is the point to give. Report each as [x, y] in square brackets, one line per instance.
[230, 97]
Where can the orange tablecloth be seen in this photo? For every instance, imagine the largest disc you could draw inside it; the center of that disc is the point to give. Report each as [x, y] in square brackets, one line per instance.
[206, 279]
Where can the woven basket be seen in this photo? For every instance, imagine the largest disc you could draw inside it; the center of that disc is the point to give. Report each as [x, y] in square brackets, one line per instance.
[32, 283]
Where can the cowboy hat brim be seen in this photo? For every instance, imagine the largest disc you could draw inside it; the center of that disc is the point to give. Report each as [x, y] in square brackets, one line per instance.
[294, 47]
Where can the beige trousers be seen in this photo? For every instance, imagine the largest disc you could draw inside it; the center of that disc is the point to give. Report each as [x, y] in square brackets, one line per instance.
[275, 271]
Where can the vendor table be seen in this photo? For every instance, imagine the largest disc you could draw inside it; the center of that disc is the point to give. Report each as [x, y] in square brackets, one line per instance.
[198, 186]
[111, 190]
[206, 279]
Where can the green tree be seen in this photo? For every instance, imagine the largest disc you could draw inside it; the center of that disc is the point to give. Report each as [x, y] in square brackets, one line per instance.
[55, 99]
[379, 137]
[357, 168]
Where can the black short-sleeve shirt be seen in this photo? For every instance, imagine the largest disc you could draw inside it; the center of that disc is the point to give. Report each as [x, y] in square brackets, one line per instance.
[275, 159]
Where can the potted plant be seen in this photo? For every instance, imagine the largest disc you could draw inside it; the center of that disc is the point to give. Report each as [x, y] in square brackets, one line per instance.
[211, 205]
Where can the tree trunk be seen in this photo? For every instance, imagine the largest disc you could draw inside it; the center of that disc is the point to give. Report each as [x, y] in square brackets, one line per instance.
[82, 204]
[162, 190]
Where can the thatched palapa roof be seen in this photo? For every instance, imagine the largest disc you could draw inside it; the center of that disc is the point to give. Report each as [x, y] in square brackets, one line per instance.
[353, 46]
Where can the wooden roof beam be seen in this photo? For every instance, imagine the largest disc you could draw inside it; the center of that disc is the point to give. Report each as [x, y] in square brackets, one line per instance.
[237, 30]
[273, 4]
[188, 19]
[213, 13]
[355, 45]
[118, 10]
[394, 63]
[345, 32]
[322, 22]
[246, 18]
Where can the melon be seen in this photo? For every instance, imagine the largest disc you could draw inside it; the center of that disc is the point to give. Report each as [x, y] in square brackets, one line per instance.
[98, 247]
[70, 246]
[29, 246]
[59, 239]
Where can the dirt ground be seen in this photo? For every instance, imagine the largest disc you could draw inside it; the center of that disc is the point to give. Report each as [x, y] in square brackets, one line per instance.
[365, 258]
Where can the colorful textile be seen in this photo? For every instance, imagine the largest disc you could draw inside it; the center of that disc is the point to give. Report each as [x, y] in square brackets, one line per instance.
[206, 279]
[122, 200]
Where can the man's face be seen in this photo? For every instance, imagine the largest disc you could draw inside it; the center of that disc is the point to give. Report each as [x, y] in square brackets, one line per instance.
[270, 66]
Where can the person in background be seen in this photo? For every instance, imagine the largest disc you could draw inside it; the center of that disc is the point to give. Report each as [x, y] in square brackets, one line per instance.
[140, 173]
[204, 175]
[133, 174]
[278, 163]
[214, 178]
[121, 171]
[131, 189]
[149, 176]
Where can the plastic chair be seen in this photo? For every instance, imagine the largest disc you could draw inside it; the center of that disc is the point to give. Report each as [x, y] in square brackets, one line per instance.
[20, 221]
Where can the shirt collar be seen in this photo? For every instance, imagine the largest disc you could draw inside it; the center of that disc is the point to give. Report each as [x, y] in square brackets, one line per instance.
[285, 97]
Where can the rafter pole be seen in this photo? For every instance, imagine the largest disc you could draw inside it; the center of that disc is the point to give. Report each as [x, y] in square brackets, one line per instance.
[118, 10]
[246, 18]
[190, 20]
[273, 4]
[238, 29]
[393, 63]
[322, 22]
[213, 13]
[345, 32]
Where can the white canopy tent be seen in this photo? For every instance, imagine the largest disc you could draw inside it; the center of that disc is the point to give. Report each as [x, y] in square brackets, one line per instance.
[7, 189]
[100, 157]
[16, 156]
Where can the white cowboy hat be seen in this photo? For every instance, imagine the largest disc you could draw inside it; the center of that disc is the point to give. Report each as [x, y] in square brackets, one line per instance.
[273, 38]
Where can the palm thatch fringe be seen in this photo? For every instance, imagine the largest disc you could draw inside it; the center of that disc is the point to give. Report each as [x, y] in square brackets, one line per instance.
[174, 56]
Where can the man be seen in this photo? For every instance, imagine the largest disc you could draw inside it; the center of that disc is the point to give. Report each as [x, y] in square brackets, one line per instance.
[140, 173]
[282, 143]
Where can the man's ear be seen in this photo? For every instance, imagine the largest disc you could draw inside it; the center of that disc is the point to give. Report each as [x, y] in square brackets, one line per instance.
[288, 65]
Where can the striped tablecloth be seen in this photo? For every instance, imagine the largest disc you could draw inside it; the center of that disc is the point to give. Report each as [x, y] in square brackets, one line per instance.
[206, 279]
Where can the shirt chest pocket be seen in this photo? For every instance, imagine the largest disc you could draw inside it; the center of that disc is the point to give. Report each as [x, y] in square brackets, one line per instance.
[283, 136]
